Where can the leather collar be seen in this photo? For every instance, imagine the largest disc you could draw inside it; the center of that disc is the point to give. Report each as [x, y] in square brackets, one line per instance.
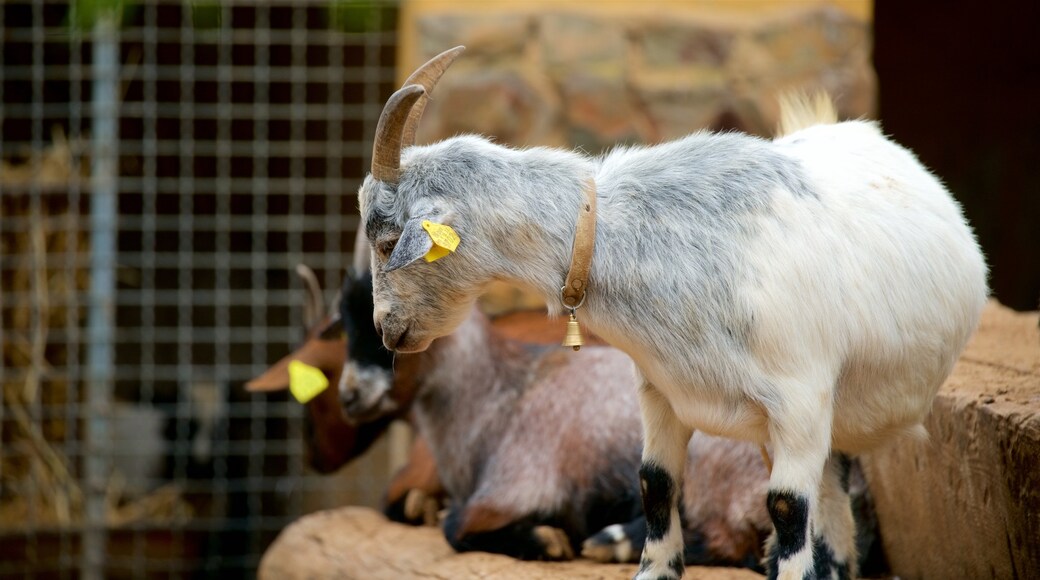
[573, 291]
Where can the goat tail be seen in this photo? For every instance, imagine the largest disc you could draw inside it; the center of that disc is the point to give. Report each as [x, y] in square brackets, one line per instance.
[800, 110]
[918, 433]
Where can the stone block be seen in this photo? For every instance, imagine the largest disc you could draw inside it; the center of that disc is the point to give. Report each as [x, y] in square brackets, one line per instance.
[805, 40]
[670, 44]
[494, 36]
[597, 108]
[511, 103]
[966, 503]
[574, 40]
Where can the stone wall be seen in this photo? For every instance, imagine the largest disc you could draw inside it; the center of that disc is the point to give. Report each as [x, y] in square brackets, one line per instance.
[597, 75]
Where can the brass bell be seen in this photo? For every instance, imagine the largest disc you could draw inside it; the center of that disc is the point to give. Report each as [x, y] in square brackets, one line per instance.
[573, 337]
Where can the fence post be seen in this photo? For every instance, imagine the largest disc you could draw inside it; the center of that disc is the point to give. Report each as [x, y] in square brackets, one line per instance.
[101, 313]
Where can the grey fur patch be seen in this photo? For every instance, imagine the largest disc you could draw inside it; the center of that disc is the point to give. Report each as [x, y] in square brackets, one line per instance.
[700, 197]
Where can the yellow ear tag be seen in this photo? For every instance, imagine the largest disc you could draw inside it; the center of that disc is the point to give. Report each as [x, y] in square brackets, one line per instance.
[445, 240]
[305, 381]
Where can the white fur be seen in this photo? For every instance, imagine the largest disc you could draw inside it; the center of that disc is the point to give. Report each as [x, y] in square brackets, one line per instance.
[813, 291]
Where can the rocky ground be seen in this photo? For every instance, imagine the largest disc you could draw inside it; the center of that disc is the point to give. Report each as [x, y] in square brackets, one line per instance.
[357, 543]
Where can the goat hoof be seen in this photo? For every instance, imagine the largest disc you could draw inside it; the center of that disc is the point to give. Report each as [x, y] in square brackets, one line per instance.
[555, 544]
[609, 545]
[414, 505]
[658, 570]
[432, 512]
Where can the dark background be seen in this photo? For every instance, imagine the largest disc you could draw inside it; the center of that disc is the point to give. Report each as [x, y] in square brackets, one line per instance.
[960, 85]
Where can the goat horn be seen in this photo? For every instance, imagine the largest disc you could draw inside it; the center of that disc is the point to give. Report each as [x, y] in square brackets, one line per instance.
[314, 305]
[386, 150]
[391, 134]
[427, 76]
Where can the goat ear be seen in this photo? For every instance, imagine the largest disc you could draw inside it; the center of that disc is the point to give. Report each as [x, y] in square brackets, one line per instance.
[413, 244]
[333, 329]
[275, 378]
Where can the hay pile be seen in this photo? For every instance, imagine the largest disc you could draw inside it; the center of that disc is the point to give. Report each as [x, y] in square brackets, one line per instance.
[44, 278]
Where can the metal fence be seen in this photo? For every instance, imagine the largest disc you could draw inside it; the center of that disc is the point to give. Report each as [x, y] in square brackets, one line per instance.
[165, 166]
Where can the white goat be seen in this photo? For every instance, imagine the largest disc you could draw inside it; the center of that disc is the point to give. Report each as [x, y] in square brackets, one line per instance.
[812, 292]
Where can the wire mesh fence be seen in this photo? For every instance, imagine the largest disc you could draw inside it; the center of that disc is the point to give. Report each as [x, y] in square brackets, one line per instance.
[164, 169]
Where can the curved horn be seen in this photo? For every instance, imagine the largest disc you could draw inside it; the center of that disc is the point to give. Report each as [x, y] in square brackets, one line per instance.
[427, 76]
[386, 150]
[314, 305]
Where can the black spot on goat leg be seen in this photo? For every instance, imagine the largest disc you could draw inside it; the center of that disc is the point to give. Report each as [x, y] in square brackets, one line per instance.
[826, 565]
[772, 559]
[790, 515]
[677, 565]
[658, 497]
[662, 554]
[823, 558]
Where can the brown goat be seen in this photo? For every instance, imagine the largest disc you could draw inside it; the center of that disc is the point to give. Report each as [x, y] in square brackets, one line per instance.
[331, 440]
